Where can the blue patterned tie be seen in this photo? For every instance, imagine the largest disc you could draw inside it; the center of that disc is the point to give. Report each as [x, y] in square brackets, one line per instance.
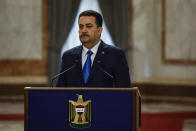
[87, 66]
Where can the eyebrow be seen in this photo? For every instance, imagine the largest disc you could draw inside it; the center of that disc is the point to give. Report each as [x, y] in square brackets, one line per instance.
[87, 24]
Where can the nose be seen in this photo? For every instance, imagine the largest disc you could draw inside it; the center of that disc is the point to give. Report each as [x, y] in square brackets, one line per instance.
[84, 29]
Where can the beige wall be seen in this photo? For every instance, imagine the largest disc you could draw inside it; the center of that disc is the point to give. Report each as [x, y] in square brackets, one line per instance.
[147, 44]
[21, 29]
[23, 41]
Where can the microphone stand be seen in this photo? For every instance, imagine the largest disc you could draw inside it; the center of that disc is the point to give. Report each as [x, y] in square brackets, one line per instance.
[56, 76]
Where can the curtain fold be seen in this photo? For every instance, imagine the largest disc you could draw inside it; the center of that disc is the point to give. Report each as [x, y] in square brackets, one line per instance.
[62, 14]
[116, 16]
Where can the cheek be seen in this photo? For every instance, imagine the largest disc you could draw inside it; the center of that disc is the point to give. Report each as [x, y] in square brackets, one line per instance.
[97, 32]
[79, 32]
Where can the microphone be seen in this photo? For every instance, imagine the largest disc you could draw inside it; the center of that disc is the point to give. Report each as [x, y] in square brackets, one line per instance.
[73, 66]
[56, 76]
[104, 71]
[111, 76]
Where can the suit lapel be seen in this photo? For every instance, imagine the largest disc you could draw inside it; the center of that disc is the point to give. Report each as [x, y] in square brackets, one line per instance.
[78, 61]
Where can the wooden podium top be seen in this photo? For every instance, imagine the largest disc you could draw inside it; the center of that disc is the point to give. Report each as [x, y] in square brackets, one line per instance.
[83, 89]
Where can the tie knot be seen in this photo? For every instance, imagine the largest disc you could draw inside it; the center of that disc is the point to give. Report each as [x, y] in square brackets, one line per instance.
[89, 53]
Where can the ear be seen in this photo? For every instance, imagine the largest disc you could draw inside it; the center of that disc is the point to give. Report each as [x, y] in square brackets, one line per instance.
[100, 30]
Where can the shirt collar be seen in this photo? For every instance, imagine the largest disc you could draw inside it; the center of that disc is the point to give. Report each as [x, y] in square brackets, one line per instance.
[94, 49]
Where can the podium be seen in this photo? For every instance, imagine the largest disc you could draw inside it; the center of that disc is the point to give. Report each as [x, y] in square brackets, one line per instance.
[85, 109]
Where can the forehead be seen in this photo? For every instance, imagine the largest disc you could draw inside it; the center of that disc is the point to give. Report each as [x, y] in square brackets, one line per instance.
[87, 20]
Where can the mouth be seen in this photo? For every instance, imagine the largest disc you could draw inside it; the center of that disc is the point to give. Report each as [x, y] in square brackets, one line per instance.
[84, 36]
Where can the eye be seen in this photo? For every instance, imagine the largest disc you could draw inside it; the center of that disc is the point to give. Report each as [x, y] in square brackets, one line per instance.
[80, 26]
[89, 26]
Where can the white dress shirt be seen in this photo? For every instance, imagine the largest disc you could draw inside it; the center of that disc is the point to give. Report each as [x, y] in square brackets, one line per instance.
[84, 53]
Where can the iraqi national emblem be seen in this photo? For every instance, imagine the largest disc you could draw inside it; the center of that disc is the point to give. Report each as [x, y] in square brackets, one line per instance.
[80, 113]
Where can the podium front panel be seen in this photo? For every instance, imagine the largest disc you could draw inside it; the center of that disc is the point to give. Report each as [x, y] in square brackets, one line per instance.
[49, 109]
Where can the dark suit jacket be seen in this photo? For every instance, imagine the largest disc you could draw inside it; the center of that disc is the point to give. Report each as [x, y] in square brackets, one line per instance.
[109, 68]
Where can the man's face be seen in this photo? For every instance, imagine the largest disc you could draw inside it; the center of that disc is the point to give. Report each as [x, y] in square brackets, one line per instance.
[89, 33]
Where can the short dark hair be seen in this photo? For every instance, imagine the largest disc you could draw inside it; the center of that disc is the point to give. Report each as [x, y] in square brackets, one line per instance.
[98, 17]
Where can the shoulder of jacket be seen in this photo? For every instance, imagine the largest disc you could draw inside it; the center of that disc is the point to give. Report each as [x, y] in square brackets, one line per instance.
[73, 51]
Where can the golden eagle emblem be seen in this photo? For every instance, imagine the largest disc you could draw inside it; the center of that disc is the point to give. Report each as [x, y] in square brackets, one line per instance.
[80, 113]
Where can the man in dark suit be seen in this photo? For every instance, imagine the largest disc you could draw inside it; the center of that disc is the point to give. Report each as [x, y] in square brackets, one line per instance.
[94, 63]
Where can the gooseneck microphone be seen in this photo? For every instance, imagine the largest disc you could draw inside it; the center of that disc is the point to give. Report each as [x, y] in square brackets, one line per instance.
[111, 76]
[76, 60]
[56, 76]
[104, 71]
